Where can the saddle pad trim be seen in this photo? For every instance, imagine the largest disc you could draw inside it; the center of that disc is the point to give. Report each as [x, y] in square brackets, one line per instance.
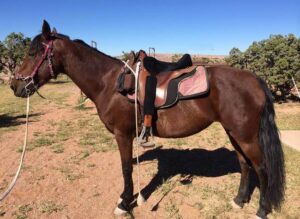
[184, 97]
[173, 85]
[176, 96]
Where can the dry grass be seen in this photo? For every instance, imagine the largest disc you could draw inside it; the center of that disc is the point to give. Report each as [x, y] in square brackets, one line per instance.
[288, 116]
[188, 191]
[49, 206]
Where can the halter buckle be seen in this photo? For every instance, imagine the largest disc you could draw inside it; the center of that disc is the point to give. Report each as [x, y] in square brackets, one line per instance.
[29, 86]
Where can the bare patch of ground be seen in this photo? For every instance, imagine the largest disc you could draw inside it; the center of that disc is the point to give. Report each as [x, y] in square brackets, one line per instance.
[72, 167]
[291, 138]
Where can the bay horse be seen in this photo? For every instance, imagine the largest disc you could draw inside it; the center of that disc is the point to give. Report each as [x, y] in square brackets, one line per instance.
[238, 99]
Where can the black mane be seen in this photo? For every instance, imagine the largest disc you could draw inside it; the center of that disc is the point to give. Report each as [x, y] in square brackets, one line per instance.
[81, 42]
[36, 45]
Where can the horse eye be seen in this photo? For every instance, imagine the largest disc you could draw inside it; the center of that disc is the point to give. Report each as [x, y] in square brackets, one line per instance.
[31, 53]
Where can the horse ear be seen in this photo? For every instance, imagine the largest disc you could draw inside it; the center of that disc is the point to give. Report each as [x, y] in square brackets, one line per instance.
[46, 31]
[142, 54]
[136, 56]
[54, 31]
[132, 55]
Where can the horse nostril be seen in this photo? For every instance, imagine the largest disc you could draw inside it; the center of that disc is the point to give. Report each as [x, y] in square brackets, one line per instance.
[13, 87]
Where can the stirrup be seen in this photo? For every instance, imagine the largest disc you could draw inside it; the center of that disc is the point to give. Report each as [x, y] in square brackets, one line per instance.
[144, 138]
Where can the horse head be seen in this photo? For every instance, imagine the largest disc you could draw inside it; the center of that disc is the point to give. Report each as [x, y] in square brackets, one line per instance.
[41, 63]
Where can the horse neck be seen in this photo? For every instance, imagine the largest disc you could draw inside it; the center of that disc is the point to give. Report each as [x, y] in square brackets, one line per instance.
[92, 71]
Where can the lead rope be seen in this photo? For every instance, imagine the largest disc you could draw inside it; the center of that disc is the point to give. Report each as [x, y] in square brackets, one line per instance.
[13, 182]
[140, 198]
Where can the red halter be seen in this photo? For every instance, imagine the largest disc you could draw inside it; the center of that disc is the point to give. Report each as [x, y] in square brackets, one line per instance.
[46, 55]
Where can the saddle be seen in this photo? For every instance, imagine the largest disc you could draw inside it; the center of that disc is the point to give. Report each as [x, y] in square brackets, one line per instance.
[156, 67]
[175, 81]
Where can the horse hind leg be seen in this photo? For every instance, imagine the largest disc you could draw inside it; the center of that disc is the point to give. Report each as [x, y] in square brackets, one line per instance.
[252, 154]
[255, 155]
[260, 144]
[243, 195]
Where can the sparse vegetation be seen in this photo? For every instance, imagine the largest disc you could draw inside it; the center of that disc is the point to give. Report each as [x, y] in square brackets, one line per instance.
[172, 210]
[207, 196]
[69, 174]
[200, 59]
[208, 60]
[167, 186]
[82, 155]
[288, 119]
[58, 148]
[81, 102]
[178, 142]
[40, 142]
[23, 210]
[176, 57]
[95, 137]
[49, 207]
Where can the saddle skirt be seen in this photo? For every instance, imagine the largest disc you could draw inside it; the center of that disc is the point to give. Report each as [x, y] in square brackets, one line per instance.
[187, 83]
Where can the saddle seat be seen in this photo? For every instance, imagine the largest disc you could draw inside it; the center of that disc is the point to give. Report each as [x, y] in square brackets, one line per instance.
[154, 66]
[175, 81]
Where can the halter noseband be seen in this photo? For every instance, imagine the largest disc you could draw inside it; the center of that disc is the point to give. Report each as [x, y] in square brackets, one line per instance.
[46, 55]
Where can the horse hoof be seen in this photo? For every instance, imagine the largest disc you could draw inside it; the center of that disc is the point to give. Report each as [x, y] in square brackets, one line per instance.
[140, 200]
[258, 216]
[148, 144]
[235, 205]
[118, 211]
[119, 201]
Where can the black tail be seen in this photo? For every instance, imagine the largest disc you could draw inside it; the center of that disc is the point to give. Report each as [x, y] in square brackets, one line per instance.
[272, 152]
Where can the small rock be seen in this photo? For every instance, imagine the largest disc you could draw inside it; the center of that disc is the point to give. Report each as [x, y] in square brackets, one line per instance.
[2, 213]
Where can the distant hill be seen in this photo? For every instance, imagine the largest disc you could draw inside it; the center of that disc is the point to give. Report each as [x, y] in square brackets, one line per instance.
[167, 57]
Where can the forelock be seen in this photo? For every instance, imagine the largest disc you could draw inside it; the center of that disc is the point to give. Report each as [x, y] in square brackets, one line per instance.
[36, 45]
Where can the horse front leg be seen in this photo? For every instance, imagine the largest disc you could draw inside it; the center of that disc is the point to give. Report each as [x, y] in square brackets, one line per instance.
[125, 148]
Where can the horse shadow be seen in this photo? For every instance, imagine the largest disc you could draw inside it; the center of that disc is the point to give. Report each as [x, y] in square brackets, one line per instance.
[190, 163]
[59, 82]
[8, 121]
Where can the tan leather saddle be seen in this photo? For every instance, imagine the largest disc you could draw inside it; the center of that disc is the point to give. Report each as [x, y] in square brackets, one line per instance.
[170, 78]
[175, 81]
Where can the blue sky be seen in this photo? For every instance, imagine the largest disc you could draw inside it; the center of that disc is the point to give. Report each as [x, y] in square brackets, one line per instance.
[177, 26]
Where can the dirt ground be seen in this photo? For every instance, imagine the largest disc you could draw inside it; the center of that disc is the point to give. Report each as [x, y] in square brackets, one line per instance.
[291, 138]
[68, 174]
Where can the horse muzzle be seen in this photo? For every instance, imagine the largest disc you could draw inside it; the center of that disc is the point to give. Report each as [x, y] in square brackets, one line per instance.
[22, 88]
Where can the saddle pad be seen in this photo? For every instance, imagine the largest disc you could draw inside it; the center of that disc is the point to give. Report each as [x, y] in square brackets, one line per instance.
[186, 86]
[193, 85]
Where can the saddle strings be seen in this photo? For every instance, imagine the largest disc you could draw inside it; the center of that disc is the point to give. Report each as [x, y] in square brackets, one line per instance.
[140, 198]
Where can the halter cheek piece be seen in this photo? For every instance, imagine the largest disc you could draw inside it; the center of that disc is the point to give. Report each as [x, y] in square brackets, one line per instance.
[48, 54]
